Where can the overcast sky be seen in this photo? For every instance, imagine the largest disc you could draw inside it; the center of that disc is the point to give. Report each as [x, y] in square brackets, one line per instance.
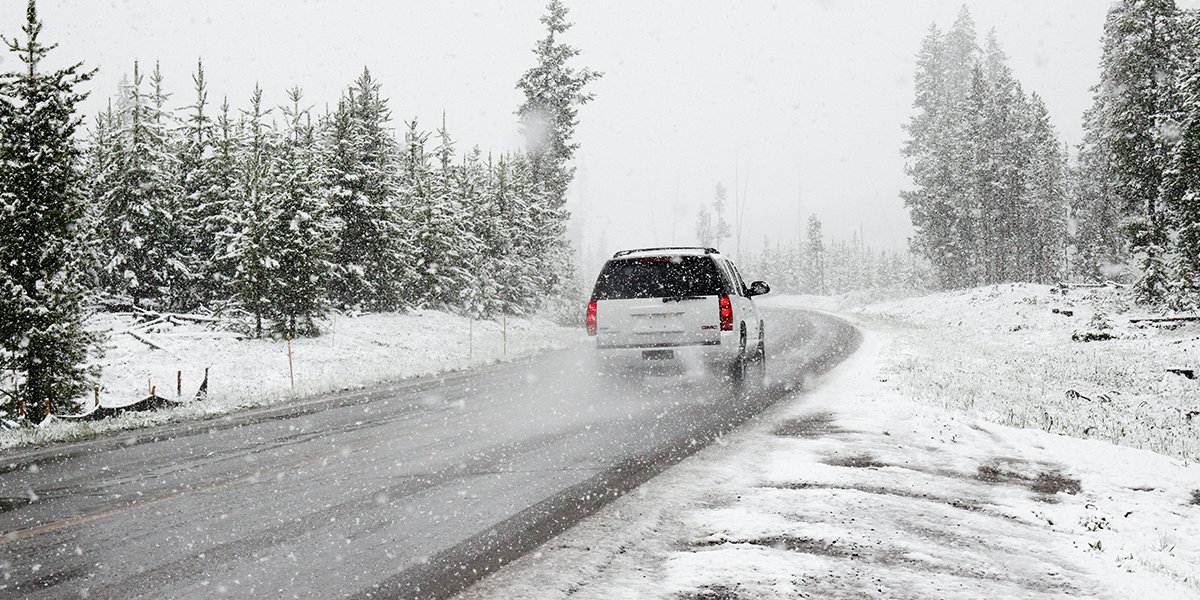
[800, 103]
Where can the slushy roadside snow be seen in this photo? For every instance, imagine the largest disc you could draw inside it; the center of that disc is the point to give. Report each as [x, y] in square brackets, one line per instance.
[354, 351]
[855, 489]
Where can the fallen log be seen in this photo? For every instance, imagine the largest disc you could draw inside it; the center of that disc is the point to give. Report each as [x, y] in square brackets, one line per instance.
[1164, 319]
[202, 334]
[146, 341]
[193, 318]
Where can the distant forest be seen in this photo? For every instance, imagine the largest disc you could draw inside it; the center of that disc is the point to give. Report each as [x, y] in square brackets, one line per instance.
[995, 197]
[998, 198]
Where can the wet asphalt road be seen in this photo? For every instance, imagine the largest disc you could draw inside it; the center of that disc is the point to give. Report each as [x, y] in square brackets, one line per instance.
[411, 490]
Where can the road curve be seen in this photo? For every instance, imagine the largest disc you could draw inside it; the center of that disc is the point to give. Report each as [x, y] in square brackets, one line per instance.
[413, 490]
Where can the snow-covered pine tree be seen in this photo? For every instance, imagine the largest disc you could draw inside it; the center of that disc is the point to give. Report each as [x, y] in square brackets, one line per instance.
[975, 150]
[933, 159]
[704, 227]
[480, 220]
[546, 248]
[1098, 246]
[553, 90]
[301, 234]
[711, 227]
[221, 218]
[1045, 223]
[102, 161]
[959, 151]
[961, 54]
[435, 200]
[206, 187]
[835, 267]
[721, 229]
[1182, 177]
[495, 231]
[814, 258]
[142, 245]
[372, 253]
[1008, 213]
[1140, 37]
[517, 281]
[970, 153]
[251, 238]
[43, 342]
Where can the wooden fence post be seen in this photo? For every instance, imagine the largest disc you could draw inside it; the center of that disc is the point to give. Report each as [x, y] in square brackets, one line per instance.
[291, 372]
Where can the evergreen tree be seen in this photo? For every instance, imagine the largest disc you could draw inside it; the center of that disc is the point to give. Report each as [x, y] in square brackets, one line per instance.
[1044, 223]
[144, 257]
[520, 282]
[372, 255]
[1095, 210]
[251, 246]
[720, 226]
[548, 116]
[300, 236]
[482, 223]
[44, 343]
[932, 162]
[553, 91]
[704, 227]
[439, 225]
[102, 164]
[206, 187]
[1182, 176]
[814, 258]
[961, 54]
[1131, 105]
[712, 228]
[989, 191]
[217, 211]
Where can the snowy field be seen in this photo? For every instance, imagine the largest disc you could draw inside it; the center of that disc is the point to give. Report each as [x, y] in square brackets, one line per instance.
[1013, 355]
[352, 352]
[899, 475]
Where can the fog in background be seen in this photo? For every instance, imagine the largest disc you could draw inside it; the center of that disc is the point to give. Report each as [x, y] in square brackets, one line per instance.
[799, 106]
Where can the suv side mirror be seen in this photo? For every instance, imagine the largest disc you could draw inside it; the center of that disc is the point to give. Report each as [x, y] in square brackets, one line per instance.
[759, 288]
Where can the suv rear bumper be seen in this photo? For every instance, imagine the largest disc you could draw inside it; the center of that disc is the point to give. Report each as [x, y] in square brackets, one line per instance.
[669, 358]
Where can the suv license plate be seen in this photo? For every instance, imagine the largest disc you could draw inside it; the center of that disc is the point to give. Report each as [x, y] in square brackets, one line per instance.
[658, 354]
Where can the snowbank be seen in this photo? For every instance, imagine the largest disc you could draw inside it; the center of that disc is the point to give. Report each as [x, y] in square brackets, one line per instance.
[353, 351]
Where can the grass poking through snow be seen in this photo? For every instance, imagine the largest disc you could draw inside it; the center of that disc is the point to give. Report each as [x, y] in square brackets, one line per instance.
[1008, 354]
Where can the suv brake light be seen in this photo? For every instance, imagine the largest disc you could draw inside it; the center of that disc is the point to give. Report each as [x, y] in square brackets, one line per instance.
[591, 318]
[726, 314]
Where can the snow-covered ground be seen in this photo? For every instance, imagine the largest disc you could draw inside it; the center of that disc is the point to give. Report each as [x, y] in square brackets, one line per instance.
[353, 351]
[895, 476]
[1012, 354]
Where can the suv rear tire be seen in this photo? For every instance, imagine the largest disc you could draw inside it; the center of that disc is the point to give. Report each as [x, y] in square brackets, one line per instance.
[737, 370]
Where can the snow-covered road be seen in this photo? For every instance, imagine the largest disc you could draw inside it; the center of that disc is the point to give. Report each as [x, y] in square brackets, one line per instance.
[413, 489]
[851, 490]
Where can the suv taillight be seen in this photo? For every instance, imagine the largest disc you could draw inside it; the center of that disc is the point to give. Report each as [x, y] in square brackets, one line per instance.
[726, 314]
[591, 318]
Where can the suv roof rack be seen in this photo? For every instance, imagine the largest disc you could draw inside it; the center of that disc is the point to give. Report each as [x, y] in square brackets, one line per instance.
[627, 252]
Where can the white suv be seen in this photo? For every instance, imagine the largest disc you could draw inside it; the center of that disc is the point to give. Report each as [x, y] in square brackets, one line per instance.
[675, 310]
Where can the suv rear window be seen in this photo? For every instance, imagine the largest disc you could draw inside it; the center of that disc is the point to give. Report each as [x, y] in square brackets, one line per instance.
[658, 277]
